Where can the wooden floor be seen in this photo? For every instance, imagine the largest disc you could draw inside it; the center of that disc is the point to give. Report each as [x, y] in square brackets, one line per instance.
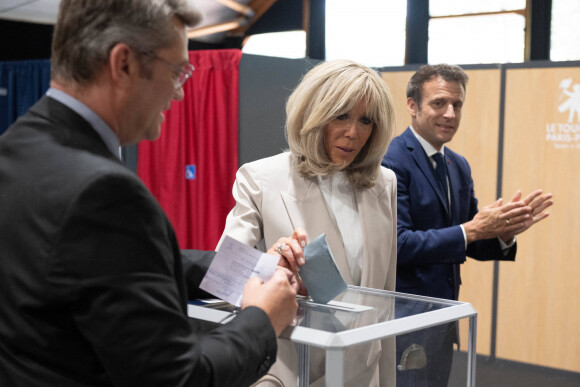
[503, 373]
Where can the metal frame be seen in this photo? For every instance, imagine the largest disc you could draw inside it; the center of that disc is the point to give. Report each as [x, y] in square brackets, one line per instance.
[336, 343]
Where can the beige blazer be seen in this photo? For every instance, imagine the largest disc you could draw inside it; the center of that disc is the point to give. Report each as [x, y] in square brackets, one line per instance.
[272, 199]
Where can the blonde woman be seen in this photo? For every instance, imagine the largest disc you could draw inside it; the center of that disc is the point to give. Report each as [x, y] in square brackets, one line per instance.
[339, 123]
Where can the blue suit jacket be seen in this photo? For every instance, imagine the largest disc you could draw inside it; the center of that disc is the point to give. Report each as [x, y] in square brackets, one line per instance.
[430, 243]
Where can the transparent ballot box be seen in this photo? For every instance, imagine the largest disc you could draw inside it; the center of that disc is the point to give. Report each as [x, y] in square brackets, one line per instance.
[367, 337]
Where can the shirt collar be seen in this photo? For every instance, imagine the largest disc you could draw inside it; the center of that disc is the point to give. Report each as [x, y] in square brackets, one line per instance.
[428, 148]
[103, 130]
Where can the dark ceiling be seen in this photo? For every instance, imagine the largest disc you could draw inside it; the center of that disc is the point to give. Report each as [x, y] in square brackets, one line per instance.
[226, 23]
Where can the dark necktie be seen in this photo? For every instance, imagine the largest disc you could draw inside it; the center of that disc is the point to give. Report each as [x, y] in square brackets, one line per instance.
[441, 171]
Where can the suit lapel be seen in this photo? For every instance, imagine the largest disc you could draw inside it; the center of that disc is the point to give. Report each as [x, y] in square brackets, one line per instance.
[424, 164]
[305, 205]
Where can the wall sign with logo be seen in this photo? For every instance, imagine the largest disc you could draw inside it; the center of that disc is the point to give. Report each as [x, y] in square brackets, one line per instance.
[565, 133]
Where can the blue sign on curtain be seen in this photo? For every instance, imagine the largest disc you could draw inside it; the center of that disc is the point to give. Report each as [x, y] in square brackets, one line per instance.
[22, 83]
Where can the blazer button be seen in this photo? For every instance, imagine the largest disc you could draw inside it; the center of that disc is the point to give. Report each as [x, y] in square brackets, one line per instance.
[265, 366]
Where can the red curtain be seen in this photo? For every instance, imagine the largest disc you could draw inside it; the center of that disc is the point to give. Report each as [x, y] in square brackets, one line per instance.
[190, 169]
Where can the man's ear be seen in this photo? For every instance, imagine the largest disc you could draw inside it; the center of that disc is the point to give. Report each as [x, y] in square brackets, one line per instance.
[123, 65]
[412, 107]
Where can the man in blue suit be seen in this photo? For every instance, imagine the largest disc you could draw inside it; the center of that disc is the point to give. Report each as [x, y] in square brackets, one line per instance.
[438, 222]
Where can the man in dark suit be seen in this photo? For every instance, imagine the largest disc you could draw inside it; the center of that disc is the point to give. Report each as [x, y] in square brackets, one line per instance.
[94, 286]
[438, 221]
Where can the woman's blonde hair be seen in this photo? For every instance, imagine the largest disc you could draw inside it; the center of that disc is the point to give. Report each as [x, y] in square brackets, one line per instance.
[328, 90]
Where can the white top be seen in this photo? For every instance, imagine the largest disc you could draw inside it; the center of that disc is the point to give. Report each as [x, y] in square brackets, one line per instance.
[341, 204]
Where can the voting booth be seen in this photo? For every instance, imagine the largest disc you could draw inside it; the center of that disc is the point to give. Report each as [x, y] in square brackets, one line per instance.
[354, 325]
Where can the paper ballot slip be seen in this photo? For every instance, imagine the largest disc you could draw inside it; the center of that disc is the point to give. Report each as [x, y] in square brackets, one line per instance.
[320, 273]
[231, 268]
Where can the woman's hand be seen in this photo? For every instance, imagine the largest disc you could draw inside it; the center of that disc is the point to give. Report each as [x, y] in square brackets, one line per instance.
[289, 249]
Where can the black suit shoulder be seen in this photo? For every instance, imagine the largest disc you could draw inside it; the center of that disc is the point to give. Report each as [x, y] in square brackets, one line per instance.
[92, 270]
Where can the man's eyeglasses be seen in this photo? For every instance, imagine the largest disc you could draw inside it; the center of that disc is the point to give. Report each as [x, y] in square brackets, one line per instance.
[184, 71]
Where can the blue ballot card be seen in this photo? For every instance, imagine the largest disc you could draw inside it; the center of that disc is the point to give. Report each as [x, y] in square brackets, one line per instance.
[320, 273]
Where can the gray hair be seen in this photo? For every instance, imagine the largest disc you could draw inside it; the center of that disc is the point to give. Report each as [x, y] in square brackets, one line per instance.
[327, 91]
[449, 73]
[86, 31]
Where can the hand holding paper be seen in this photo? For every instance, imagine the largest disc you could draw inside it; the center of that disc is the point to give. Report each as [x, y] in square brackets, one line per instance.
[320, 273]
[239, 270]
[231, 268]
[236, 262]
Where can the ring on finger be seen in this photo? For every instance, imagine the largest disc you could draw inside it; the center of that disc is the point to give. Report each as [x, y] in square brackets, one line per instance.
[279, 248]
[507, 222]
